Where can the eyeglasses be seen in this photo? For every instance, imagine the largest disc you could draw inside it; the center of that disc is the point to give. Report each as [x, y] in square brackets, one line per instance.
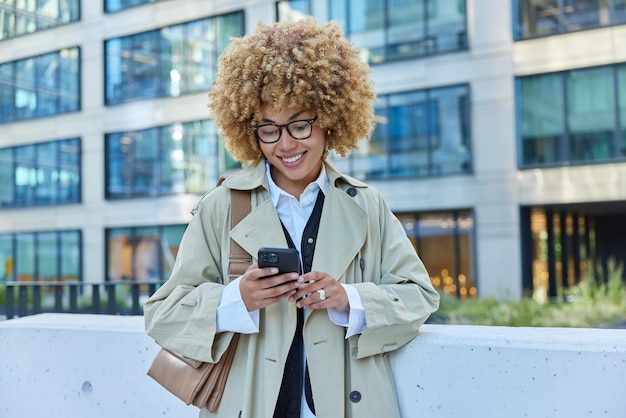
[298, 129]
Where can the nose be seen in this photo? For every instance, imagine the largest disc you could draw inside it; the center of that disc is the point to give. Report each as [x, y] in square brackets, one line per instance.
[286, 140]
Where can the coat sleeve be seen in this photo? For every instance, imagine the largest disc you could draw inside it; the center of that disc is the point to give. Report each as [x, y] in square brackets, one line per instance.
[397, 293]
[181, 314]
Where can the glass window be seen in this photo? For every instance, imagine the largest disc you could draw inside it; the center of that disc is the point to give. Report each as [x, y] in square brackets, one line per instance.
[70, 243]
[25, 175]
[67, 175]
[542, 118]
[7, 258]
[142, 253]
[407, 28]
[551, 17]
[117, 5]
[591, 114]
[418, 133]
[180, 158]
[68, 84]
[292, 10]
[618, 12]
[411, 116]
[48, 256]
[572, 117]
[22, 17]
[449, 133]
[41, 174]
[396, 29]
[7, 172]
[26, 257]
[167, 62]
[145, 163]
[445, 243]
[621, 97]
[46, 84]
[567, 245]
[446, 28]
[199, 62]
[146, 253]
[173, 157]
[25, 89]
[144, 64]
[7, 92]
[46, 163]
[582, 14]
[40, 86]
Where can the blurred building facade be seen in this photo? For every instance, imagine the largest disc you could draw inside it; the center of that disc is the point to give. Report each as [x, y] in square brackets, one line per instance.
[500, 139]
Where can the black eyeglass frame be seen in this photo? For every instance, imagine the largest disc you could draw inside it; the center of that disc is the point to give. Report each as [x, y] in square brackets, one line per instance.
[280, 130]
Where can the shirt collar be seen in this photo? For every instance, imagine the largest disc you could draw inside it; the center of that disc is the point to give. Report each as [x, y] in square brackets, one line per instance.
[320, 183]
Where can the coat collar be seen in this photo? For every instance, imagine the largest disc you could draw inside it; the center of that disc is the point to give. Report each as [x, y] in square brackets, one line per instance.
[251, 177]
[342, 229]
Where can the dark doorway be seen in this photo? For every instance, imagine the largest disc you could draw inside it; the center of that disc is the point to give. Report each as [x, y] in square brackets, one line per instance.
[563, 244]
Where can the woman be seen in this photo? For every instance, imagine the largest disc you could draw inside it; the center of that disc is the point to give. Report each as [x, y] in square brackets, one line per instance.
[312, 343]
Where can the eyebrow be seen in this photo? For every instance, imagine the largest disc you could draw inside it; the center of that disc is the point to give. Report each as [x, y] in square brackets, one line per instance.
[294, 116]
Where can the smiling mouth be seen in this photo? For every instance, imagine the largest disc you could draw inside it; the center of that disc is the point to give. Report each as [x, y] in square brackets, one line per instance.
[293, 159]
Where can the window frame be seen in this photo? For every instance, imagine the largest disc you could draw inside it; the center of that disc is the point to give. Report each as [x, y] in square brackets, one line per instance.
[563, 144]
[34, 168]
[31, 90]
[427, 42]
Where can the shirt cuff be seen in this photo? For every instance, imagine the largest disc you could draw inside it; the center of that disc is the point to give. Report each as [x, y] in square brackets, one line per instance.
[232, 314]
[354, 320]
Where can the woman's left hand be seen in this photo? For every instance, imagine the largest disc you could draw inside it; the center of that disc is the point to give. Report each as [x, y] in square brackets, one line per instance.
[322, 292]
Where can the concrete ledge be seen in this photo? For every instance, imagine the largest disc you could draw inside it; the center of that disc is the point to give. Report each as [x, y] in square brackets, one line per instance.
[476, 371]
[81, 366]
[78, 366]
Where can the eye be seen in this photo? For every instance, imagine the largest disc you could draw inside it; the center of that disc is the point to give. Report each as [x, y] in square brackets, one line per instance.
[267, 130]
[299, 126]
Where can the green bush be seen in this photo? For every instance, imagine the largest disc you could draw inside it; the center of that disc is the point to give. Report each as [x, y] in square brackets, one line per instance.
[588, 304]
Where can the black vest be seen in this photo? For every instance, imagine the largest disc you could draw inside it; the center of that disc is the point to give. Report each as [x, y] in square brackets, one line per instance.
[288, 403]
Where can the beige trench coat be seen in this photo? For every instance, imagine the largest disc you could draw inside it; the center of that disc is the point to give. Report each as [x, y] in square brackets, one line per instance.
[360, 242]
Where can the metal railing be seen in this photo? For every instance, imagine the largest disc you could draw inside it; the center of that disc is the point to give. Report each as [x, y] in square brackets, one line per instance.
[112, 298]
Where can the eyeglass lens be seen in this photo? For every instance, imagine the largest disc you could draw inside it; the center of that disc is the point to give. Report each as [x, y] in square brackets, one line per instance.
[299, 129]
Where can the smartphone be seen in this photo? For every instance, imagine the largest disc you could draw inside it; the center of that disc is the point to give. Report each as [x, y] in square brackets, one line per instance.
[286, 259]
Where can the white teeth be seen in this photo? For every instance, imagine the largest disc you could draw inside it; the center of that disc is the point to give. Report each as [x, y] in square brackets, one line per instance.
[292, 159]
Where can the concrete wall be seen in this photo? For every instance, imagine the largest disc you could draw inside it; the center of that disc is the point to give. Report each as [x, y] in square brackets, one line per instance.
[94, 366]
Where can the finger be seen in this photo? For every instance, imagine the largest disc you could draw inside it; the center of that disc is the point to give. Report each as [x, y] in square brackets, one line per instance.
[280, 279]
[314, 301]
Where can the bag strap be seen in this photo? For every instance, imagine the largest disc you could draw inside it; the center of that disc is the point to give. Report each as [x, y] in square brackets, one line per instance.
[240, 206]
[239, 259]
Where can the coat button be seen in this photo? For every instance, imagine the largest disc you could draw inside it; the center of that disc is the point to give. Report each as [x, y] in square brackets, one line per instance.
[355, 396]
[351, 191]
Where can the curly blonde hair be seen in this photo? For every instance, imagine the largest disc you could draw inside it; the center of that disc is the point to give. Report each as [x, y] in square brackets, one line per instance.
[292, 65]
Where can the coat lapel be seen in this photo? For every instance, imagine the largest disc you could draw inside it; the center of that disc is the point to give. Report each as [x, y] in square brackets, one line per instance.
[261, 228]
[341, 234]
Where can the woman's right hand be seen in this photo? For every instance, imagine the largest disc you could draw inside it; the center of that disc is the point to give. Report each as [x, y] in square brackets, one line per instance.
[261, 287]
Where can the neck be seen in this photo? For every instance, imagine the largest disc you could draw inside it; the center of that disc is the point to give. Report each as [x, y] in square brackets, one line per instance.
[294, 187]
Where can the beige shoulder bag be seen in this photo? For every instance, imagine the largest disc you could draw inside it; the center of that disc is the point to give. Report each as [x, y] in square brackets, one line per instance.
[195, 382]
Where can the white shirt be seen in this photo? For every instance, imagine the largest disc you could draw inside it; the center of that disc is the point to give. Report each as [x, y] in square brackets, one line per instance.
[232, 314]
